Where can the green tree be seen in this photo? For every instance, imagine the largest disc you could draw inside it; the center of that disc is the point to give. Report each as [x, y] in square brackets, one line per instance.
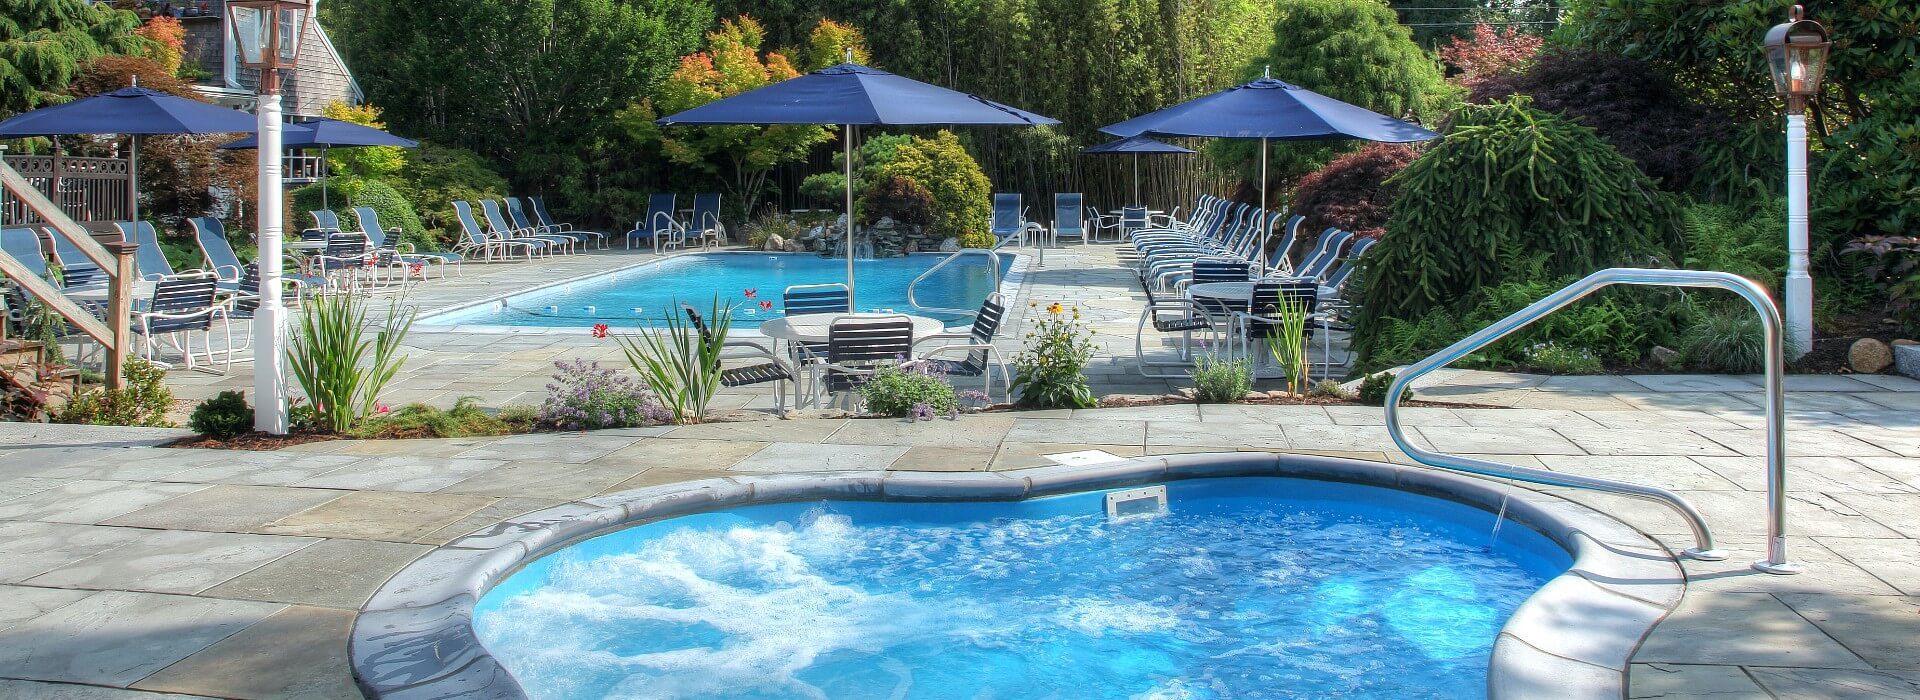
[732, 64]
[377, 162]
[962, 195]
[828, 45]
[436, 176]
[1349, 50]
[532, 85]
[46, 44]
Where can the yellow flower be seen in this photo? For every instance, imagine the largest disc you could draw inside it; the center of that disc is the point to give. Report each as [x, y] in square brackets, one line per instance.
[1054, 308]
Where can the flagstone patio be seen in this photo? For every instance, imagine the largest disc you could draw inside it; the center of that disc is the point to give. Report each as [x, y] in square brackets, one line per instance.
[128, 571]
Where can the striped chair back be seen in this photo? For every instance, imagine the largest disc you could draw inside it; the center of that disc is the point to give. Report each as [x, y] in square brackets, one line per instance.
[865, 342]
[1220, 270]
[986, 324]
[186, 295]
[344, 251]
[248, 298]
[1324, 253]
[1273, 295]
[816, 299]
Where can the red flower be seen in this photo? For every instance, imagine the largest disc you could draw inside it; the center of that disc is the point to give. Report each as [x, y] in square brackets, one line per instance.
[751, 292]
[599, 330]
[766, 305]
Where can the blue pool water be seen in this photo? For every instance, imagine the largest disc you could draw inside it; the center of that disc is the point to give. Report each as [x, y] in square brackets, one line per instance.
[1248, 588]
[699, 278]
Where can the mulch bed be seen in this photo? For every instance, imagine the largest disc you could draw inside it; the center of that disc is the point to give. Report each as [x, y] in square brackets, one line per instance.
[251, 441]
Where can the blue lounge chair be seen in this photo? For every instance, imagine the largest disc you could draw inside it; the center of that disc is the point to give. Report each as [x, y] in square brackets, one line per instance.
[706, 219]
[401, 251]
[1069, 217]
[324, 222]
[517, 215]
[659, 225]
[1009, 219]
[212, 237]
[497, 224]
[486, 244]
[76, 269]
[24, 245]
[540, 214]
[149, 259]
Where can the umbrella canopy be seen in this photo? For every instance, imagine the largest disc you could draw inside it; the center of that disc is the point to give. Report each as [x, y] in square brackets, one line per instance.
[854, 95]
[1134, 146]
[135, 111]
[322, 132]
[1270, 110]
[128, 110]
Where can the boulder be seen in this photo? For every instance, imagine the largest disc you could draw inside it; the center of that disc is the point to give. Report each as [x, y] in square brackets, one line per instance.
[951, 245]
[1869, 356]
[813, 232]
[796, 247]
[774, 244]
[1667, 357]
[1906, 360]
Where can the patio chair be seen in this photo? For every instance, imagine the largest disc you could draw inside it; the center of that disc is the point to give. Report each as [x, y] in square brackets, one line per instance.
[813, 299]
[347, 262]
[540, 215]
[1257, 323]
[1282, 260]
[980, 358]
[659, 226]
[769, 368]
[212, 237]
[149, 259]
[24, 245]
[1169, 315]
[77, 271]
[1132, 220]
[498, 225]
[486, 244]
[1326, 251]
[856, 347]
[1009, 218]
[401, 251]
[324, 222]
[1332, 286]
[517, 215]
[706, 219]
[181, 307]
[1069, 218]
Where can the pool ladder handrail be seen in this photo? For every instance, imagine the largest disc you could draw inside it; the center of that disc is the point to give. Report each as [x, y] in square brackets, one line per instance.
[993, 267]
[1704, 549]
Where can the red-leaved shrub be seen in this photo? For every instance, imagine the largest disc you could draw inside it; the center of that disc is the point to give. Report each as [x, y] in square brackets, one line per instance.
[1352, 192]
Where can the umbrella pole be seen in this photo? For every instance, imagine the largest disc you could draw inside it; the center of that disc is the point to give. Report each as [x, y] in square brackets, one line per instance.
[1265, 233]
[846, 146]
[1136, 179]
[133, 181]
[323, 179]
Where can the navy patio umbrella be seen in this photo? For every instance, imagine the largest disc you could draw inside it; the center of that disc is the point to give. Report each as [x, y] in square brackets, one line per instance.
[1271, 110]
[134, 111]
[324, 133]
[853, 95]
[1134, 145]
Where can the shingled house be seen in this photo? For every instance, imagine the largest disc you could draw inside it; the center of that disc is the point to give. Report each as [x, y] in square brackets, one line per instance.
[322, 77]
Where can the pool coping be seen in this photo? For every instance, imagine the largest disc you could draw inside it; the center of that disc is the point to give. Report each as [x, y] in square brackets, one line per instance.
[1010, 285]
[414, 638]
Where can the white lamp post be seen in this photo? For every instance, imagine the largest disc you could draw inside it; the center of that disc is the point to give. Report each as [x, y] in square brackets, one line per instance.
[269, 33]
[1797, 57]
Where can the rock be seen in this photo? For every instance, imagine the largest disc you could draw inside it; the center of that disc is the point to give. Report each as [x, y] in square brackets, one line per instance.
[813, 233]
[1667, 357]
[1906, 360]
[1188, 392]
[1869, 356]
[1905, 341]
[1254, 396]
[774, 244]
[951, 245]
[796, 247]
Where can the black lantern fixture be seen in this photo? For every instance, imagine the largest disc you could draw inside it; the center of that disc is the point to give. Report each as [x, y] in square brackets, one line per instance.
[268, 33]
[1797, 56]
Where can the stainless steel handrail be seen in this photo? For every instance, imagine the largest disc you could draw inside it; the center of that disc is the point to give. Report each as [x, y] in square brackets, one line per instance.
[993, 260]
[1776, 561]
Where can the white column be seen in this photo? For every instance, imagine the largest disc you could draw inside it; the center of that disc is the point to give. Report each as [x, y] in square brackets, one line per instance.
[1799, 286]
[269, 321]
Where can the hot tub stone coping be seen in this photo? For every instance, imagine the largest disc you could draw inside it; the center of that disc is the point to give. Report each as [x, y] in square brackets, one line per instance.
[414, 638]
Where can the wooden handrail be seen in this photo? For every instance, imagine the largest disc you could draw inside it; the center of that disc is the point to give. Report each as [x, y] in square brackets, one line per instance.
[115, 334]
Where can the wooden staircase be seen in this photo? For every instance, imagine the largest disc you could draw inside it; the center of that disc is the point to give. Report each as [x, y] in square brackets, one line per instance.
[115, 259]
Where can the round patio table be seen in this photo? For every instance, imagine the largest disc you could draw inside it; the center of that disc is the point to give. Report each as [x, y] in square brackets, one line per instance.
[1222, 291]
[813, 328]
[293, 245]
[142, 289]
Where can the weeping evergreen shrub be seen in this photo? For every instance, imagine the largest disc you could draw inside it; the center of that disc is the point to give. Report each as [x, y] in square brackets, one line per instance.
[1512, 194]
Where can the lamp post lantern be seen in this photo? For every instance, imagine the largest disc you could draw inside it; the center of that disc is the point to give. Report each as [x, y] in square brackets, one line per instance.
[268, 33]
[1797, 57]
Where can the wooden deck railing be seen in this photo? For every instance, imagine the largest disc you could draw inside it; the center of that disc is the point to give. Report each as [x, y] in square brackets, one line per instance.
[114, 259]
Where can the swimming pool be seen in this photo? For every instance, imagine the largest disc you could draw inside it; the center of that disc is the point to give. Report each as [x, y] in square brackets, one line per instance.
[1247, 587]
[750, 282]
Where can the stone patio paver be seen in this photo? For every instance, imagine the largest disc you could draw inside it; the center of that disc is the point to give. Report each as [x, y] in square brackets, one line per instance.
[381, 515]
[117, 638]
[226, 508]
[289, 655]
[173, 561]
[336, 573]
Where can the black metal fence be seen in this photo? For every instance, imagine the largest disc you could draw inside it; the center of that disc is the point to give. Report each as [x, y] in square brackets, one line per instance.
[87, 189]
